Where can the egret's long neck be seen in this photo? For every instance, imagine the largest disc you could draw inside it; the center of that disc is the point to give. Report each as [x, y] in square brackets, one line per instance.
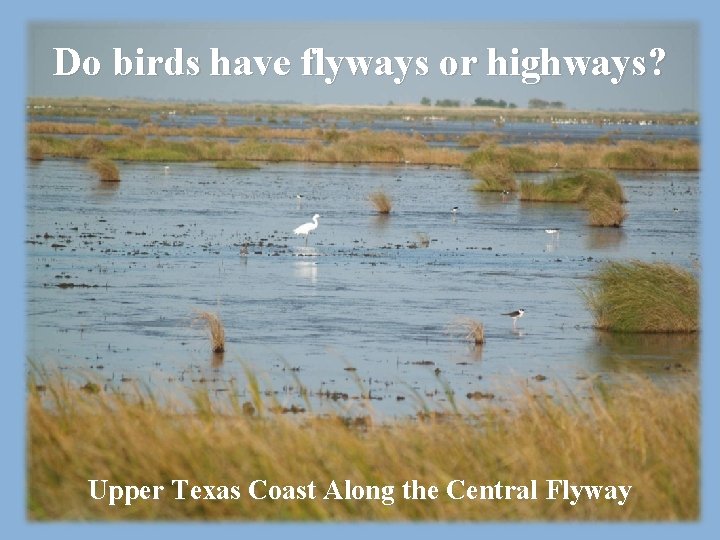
[315, 220]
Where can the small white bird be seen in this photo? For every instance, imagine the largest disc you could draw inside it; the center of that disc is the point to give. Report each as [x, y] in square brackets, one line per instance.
[454, 210]
[515, 315]
[307, 228]
[166, 169]
[552, 231]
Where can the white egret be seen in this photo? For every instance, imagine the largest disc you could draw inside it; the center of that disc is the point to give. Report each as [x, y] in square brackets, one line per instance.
[307, 228]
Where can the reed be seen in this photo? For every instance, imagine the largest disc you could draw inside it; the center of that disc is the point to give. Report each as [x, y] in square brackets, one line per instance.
[106, 169]
[638, 434]
[644, 297]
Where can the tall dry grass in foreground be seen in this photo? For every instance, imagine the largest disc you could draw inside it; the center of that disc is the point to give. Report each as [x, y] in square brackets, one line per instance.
[215, 327]
[381, 201]
[644, 297]
[640, 435]
[106, 169]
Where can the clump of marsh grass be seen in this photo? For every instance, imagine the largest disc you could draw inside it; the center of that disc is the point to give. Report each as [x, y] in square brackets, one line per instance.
[494, 177]
[644, 297]
[35, 151]
[381, 201]
[599, 192]
[573, 188]
[473, 330]
[106, 169]
[604, 211]
[215, 329]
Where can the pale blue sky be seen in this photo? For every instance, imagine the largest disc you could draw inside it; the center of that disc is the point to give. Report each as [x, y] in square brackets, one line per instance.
[675, 89]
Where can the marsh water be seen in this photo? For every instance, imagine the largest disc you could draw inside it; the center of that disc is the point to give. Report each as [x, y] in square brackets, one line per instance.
[366, 315]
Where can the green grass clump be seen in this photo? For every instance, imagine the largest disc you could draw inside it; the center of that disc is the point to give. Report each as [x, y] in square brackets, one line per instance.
[235, 164]
[573, 188]
[494, 177]
[599, 192]
[639, 434]
[106, 169]
[644, 297]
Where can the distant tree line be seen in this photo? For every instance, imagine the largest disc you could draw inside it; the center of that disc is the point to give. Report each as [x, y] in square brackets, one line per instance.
[536, 103]
[479, 102]
[487, 102]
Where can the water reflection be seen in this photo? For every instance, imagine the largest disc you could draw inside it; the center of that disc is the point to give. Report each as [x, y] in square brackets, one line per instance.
[105, 189]
[306, 270]
[616, 352]
[605, 237]
[217, 360]
[380, 222]
[554, 240]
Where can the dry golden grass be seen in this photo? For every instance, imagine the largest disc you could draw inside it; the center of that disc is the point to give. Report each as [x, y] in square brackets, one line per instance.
[638, 296]
[106, 169]
[329, 145]
[473, 330]
[638, 434]
[604, 211]
[35, 151]
[381, 201]
[215, 329]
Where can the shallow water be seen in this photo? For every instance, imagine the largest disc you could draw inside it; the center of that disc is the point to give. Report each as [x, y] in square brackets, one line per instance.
[368, 309]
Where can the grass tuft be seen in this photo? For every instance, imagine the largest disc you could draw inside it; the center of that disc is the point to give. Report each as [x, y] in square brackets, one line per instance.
[494, 177]
[106, 169]
[644, 297]
[599, 192]
[381, 201]
[215, 329]
[35, 151]
[604, 211]
[473, 329]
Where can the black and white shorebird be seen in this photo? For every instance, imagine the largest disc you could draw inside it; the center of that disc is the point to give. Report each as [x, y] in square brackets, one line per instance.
[515, 315]
[454, 210]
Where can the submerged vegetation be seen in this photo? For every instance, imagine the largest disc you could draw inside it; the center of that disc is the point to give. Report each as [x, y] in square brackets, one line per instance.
[644, 297]
[649, 437]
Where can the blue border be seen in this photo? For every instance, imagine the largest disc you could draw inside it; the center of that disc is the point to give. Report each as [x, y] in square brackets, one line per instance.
[12, 495]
